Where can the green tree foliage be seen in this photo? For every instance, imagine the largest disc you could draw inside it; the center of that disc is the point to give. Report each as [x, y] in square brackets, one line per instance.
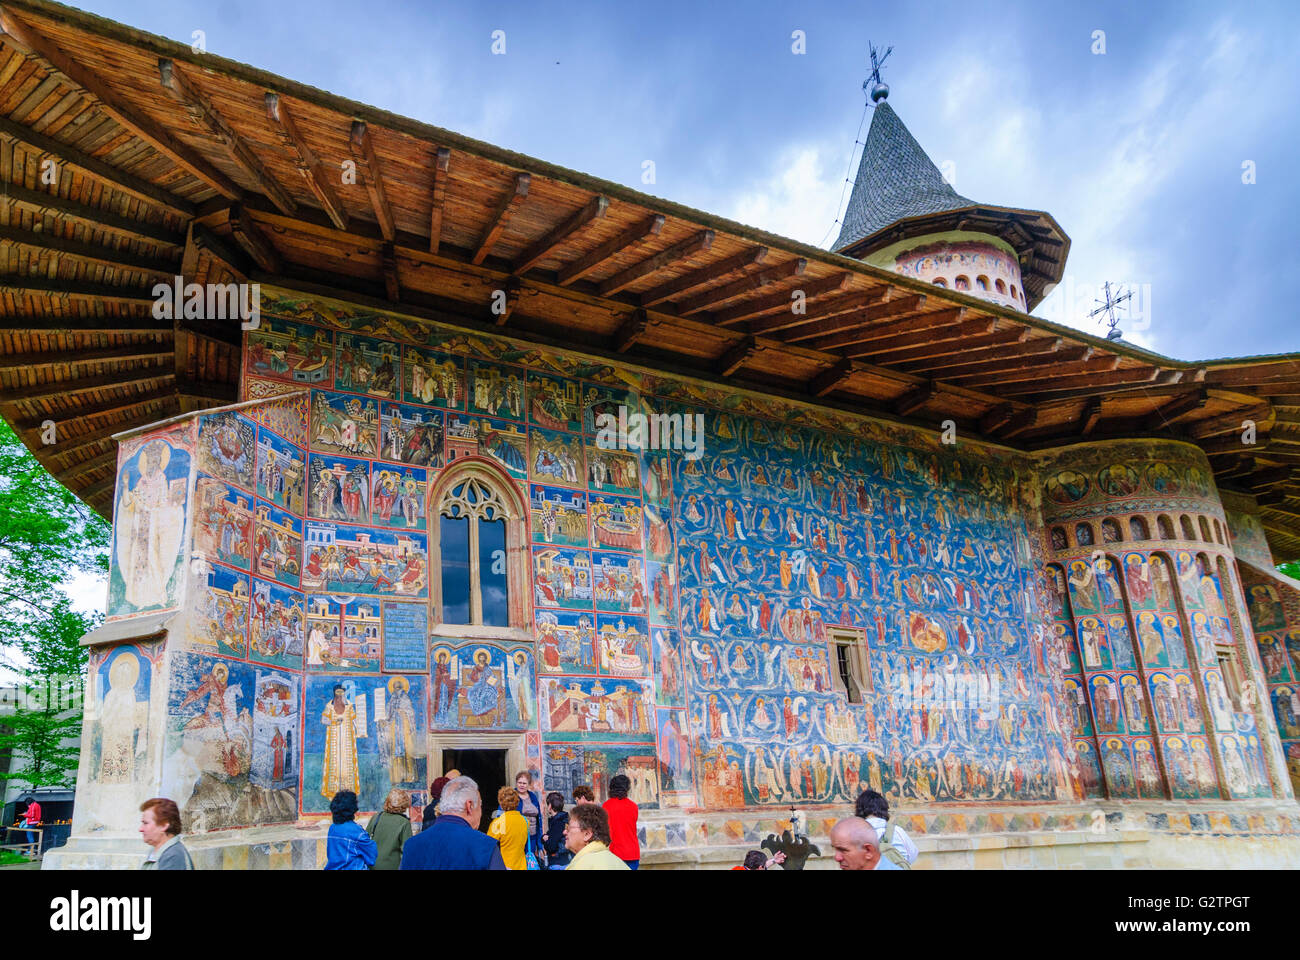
[35, 739]
[1291, 569]
[46, 533]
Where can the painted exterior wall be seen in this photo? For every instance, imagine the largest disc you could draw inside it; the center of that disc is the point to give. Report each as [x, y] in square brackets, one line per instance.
[671, 617]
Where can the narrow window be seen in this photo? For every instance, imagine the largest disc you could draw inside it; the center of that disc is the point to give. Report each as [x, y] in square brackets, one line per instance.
[472, 548]
[849, 663]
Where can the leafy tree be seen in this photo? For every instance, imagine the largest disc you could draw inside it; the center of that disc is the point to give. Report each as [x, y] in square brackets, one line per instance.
[45, 534]
[1291, 569]
[35, 740]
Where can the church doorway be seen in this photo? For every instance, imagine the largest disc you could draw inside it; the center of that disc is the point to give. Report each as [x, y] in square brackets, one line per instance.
[487, 768]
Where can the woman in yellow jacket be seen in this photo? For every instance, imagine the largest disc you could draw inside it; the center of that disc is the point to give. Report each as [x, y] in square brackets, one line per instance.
[510, 830]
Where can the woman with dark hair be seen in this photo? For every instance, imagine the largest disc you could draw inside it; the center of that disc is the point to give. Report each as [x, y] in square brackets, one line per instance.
[557, 854]
[872, 807]
[623, 814]
[348, 846]
[391, 828]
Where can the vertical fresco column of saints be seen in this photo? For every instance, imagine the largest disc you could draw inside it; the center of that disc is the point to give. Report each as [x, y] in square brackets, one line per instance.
[1236, 737]
[1121, 716]
[234, 737]
[608, 659]
[1274, 609]
[1065, 652]
[350, 477]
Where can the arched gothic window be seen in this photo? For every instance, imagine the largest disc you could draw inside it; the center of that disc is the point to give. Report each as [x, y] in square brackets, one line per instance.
[961, 283]
[477, 551]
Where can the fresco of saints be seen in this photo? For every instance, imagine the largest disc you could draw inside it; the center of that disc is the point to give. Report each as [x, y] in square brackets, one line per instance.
[398, 742]
[149, 523]
[481, 692]
[340, 770]
[521, 687]
[123, 722]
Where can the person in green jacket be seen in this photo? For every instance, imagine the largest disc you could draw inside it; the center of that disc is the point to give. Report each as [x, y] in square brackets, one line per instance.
[391, 828]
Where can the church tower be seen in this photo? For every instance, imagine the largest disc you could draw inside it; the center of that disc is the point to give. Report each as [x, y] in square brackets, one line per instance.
[904, 216]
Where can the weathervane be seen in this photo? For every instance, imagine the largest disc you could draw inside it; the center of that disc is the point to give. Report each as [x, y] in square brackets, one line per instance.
[1108, 307]
[876, 88]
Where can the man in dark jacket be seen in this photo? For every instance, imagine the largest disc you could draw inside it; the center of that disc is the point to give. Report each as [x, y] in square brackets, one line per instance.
[557, 854]
[453, 840]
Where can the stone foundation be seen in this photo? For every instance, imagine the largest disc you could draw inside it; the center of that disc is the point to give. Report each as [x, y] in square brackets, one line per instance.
[1103, 836]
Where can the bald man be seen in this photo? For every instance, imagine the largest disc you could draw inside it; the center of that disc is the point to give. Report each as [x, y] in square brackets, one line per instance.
[855, 845]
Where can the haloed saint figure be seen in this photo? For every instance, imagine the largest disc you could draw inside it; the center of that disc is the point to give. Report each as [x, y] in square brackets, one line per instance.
[339, 718]
[150, 521]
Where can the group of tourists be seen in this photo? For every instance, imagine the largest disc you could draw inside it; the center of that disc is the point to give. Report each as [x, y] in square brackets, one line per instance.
[522, 835]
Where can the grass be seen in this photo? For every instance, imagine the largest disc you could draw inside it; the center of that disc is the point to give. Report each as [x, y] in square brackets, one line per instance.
[9, 858]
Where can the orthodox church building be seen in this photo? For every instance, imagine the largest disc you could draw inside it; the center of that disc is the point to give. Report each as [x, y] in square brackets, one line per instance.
[513, 469]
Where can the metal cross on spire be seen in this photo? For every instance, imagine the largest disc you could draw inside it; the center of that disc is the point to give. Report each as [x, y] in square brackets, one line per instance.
[876, 88]
[1108, 307]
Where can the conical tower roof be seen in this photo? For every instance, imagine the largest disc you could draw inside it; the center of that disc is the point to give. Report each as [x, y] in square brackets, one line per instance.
[896, 180]
[899, 193]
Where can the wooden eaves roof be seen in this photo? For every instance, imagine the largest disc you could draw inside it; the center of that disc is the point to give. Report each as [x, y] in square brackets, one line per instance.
[169, 162]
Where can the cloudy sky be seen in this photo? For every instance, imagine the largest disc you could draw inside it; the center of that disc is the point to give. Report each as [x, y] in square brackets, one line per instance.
[1137, 151]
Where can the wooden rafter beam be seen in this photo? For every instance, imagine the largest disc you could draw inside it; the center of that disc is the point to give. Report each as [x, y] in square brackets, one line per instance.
[77, 358]
[996, 417]
[212, 392]
[1092, 382]
[74, 290]
[511, 290]
[87, 466]
[96, 218]
[58, 388]
[201, 238]
[119, 325]
[500, 217]
[363, 152]
[95, 168]
[1017, 424]
[108, 407]
[864, 327]
[591, 212]
[19, 34]
[441, 171]
[914, 399]
[1091, 417]
[94, 491]
[736, 356]
[82, 441]
[649, 227]
[786, 300]
[305, 159]
[1227, 422]
[1233, 445]
[1164, 416]
[1286, 372]
[631, 331]
[252, 239]
[205, 116]
[826, 317]
[1066, 361]
[752, 281]
[89, 252]
[828, 381]
[946, 336]
[698, 278]
[388, 265]
[696, 243]
[1001, 344]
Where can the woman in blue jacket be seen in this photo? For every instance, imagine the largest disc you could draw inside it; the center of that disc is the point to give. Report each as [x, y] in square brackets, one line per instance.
[348, 846]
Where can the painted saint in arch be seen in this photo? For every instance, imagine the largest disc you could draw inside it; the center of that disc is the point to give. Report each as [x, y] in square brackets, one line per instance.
[340, 771]
[150, 522]
[123, 722]
[398, 745]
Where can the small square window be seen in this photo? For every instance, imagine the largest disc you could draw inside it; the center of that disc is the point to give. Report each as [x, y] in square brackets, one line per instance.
[850, 668]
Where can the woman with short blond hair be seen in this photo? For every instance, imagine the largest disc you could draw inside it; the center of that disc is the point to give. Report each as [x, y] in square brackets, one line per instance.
[391, 828]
